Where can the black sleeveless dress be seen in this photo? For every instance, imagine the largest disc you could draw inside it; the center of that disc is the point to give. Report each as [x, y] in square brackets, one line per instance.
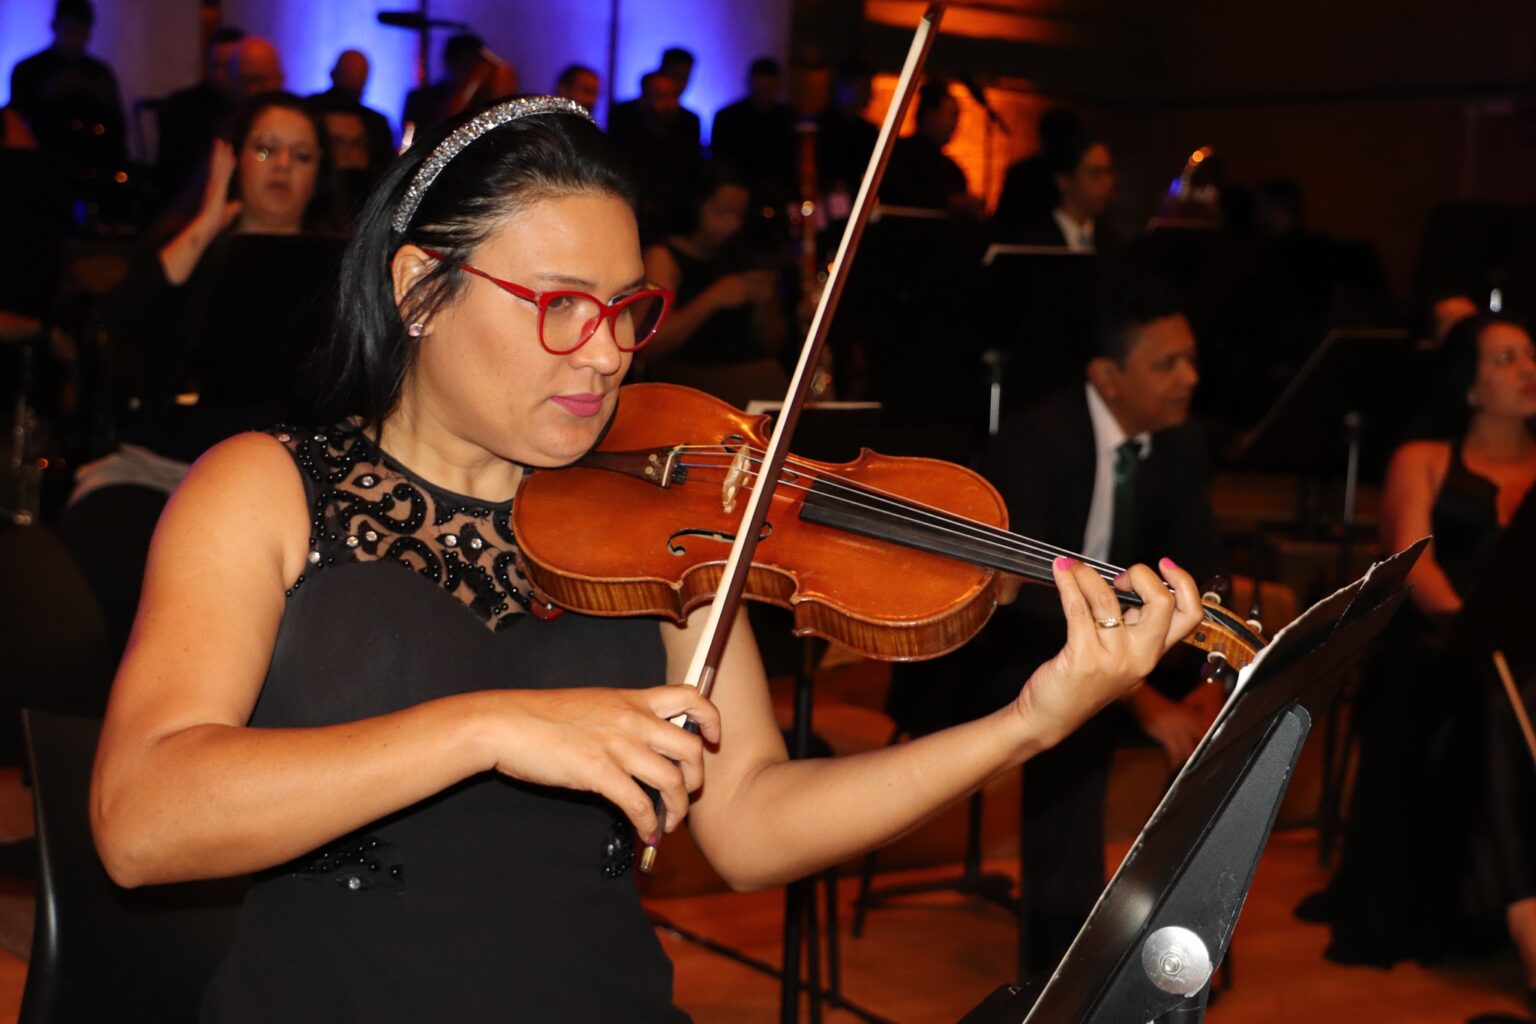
[491, 901]
[1442, 830]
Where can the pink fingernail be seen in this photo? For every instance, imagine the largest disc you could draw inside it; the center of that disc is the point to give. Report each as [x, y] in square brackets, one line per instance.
[1168, 563]
[655, 838]
[1065, 563]
[1118, 580]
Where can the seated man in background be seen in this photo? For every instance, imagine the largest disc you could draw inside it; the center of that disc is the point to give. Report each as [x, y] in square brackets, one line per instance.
[920, 173]
[1111, 467]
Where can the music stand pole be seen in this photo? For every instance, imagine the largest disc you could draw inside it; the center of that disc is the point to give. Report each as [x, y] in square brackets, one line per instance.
[1353, 422]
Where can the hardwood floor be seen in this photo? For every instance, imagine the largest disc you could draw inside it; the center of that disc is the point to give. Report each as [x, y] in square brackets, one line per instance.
[934, 960]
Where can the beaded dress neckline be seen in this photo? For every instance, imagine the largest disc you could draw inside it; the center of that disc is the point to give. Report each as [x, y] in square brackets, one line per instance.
[365, 506]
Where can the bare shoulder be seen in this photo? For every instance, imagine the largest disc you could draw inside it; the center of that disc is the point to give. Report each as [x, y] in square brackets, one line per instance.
[1421, 461]
[246, 489]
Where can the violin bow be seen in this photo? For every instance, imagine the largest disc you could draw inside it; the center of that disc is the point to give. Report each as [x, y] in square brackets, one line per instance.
[722, 610]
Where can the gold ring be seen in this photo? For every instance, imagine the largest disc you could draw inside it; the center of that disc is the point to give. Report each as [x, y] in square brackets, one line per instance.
[1108, 623]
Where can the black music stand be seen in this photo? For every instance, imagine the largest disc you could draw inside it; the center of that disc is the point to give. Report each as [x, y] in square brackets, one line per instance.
[1039, 298]
[1350, 398]
[1148, 949]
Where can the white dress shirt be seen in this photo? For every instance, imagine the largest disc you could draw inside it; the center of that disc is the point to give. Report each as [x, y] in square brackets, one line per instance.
[1108, 435]
[1079, 236]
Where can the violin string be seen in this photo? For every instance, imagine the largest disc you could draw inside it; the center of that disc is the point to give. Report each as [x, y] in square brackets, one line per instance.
[936, 519]
[939, 521]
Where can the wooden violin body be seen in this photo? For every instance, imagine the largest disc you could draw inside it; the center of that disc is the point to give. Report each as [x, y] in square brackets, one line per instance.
[899, 559]
[642, 527]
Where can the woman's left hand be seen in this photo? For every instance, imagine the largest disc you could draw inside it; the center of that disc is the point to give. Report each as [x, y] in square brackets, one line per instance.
[1108, 652]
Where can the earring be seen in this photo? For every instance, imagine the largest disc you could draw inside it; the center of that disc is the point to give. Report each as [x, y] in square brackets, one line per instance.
[416, 330]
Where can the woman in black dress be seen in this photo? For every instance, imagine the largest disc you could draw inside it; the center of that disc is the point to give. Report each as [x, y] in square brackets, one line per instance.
[1442, 838]
[430, 784]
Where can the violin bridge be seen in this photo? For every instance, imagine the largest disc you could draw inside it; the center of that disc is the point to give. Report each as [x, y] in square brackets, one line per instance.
[734, 478]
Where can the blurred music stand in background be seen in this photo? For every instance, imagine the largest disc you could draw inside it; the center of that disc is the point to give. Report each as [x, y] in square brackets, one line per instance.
[1349, 403]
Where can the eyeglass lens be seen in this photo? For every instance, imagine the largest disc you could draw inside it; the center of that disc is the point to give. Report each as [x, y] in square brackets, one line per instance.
[569, 320]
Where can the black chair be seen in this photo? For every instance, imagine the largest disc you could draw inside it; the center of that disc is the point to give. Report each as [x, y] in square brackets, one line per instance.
[101, 952]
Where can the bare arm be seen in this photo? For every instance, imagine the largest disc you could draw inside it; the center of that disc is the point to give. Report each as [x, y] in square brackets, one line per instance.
[182, 253]
[683, 322]
[1413, 480]
[762, 819]
[184, 789]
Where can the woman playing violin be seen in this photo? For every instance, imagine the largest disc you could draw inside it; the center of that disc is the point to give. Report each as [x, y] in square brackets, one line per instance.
[334, 683]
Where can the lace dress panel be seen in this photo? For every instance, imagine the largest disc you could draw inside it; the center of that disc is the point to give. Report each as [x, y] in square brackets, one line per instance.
[366, 507]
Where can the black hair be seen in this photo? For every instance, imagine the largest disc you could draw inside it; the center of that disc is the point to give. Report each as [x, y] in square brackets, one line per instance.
[226, 34]
[1129, 300]
[931, 96]
[708, 177]
[569, 75]
[78, 11]
[765, 66]
[360, 369]
[676, 55]
[458, 47]
[1063, 155]
[1446, 412]
[322, 205]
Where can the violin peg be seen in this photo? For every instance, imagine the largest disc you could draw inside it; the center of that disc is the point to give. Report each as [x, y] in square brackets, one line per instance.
[1256, 626]
[1211, 597]
[1217, 669]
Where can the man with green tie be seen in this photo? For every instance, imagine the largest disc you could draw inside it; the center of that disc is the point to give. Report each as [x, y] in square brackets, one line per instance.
[1113, 468]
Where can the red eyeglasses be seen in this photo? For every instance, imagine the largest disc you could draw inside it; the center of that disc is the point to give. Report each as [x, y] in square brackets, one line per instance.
[568, 319]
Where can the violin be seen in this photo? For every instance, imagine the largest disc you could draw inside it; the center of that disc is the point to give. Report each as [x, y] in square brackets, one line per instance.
[898, 558]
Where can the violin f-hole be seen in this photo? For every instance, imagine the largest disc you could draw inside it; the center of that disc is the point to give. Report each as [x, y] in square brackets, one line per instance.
[675, 548]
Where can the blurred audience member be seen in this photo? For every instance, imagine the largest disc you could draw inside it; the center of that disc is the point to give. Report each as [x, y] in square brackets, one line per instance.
[255, 67]
[1029, 188]
[661, 140]
[68, 98]
[727, 320]
[920, 173]
[349, 77]
[845, 140]
[1083, 177]
[361, 142]
[191, 117]
[431, 104]
[758, 134]
[269, 178]
[578, 83]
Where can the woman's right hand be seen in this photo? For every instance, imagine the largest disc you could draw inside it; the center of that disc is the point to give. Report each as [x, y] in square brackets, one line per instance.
[609, 742]
[218, 211]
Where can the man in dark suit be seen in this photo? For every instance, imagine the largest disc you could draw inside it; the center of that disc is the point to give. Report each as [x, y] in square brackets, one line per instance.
[757, 132]
[920, 173]
[70, 99]
[1112, 468]
[661, 141]
[349, 77]
[1115, 469]
[1082, 174]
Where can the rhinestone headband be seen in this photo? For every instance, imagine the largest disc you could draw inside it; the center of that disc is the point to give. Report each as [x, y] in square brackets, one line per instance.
[468, 132]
